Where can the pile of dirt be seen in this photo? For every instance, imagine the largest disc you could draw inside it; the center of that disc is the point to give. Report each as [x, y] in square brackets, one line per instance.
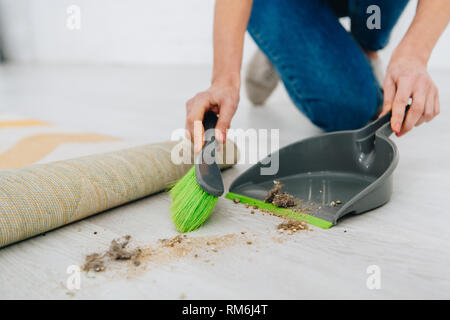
[118, 251]
[280, 199]
[286, 200]
[163, 252]
[276, 190]
[292, 226]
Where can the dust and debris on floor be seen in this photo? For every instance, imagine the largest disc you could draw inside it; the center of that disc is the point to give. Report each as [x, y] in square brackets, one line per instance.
[180, 246]
[163, 252]
[292, 226]
[118, 251]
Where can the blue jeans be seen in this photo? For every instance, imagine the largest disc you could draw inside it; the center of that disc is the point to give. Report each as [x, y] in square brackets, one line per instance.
[322, 66]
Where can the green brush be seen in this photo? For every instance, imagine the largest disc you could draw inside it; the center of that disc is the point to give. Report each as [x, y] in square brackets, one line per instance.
[195, 195]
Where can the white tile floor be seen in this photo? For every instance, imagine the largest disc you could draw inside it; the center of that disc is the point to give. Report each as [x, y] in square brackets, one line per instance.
[407, 238]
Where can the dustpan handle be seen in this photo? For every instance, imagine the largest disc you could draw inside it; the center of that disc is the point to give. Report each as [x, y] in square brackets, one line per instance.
[382, 125]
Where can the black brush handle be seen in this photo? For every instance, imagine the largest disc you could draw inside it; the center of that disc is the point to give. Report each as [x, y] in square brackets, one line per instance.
[209, 122]
[206, 170]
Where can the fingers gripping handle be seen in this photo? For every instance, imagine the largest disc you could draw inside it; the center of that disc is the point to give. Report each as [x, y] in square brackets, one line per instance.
[383, 124]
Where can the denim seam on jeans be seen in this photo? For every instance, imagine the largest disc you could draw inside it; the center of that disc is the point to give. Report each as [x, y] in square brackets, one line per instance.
[292, 83]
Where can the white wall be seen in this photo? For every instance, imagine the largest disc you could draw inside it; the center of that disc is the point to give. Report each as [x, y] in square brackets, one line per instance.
[132, 31]
[123, 31]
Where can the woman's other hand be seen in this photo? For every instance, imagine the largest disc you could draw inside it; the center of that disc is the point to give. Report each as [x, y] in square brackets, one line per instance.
[407, 77]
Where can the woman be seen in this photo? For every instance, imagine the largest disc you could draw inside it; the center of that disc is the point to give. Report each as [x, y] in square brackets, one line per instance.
[327, 71]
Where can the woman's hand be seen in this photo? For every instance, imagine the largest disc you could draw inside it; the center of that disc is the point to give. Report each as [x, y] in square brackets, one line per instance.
[223, 99]
[230, 22]
[406, 77]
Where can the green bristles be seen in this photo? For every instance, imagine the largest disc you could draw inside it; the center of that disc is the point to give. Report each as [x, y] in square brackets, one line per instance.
[191, 205]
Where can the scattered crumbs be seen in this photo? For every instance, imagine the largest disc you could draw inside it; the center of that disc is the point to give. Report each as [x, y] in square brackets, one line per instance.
[70, 293]
[242, 232]
[171, 242]
[277, 239]
[182, 296]
[252, 212]
[236, 200]
[249, 242]
[247, 205]
[335, 203]
[292, 226]
[95, 232]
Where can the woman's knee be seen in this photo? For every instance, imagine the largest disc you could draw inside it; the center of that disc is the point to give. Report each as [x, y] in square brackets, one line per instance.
[336, 111]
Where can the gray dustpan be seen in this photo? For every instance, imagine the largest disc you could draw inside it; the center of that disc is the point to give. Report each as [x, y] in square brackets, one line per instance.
[334, 174]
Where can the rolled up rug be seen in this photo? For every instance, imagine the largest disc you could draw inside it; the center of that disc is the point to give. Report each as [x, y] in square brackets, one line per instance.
[41, 197]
